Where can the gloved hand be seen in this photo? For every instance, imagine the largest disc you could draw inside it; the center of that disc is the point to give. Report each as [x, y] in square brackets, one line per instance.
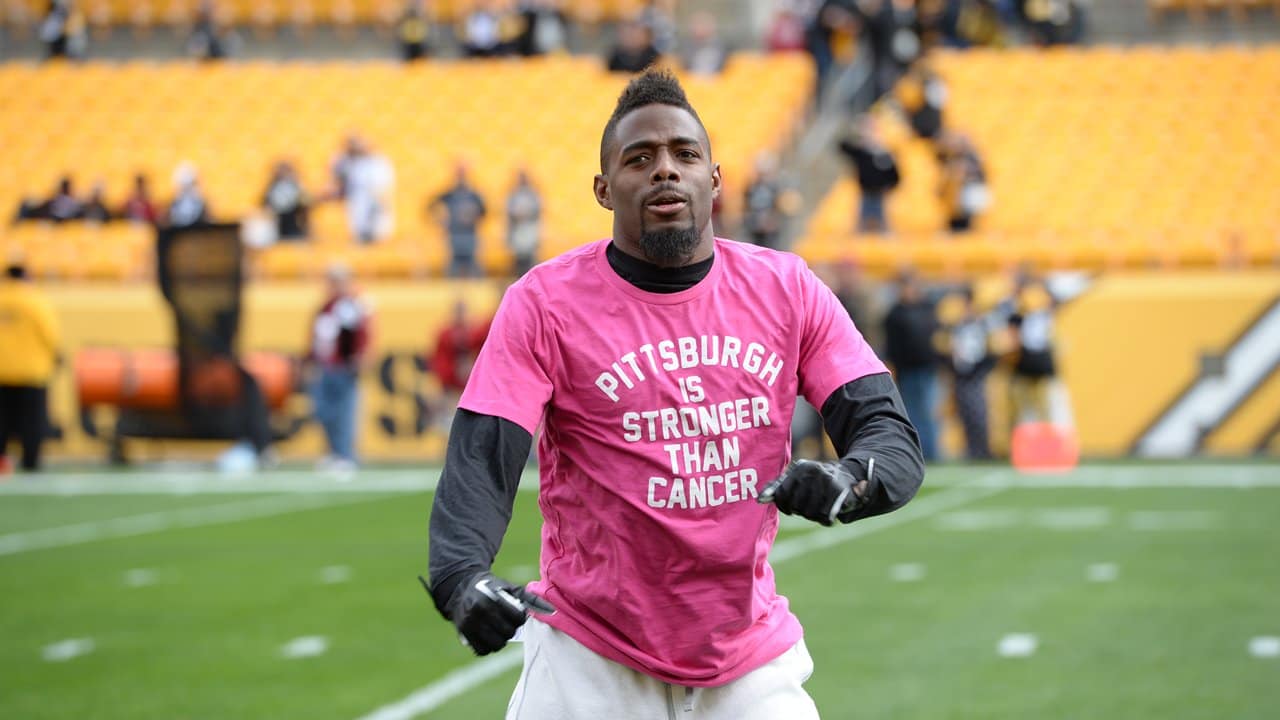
[487, 610]
[819, 491]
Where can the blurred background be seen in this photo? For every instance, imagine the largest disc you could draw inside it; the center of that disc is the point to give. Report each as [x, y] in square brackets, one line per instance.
[1110, 164]
[268, 237]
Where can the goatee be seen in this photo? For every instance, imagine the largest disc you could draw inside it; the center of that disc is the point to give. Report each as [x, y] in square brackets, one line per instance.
[669, 247]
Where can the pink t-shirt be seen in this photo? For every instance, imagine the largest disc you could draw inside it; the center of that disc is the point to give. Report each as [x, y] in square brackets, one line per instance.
[663, 416]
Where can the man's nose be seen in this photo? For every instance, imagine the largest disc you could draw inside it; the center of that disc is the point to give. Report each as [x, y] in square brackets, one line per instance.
[665, 168]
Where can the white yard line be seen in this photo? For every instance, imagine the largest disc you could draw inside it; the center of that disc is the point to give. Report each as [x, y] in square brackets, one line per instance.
[205, 482]
[1120, 477]
[273, 482]
[450, 686]
[468, 678]
[154, 522]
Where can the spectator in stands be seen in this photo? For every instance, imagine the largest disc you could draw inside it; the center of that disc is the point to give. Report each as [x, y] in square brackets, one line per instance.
[786, 30]
[456, 349]
[139, 207]
[64, 31]
[963, 184]
[30, 337]
[211, 38]
[95, 206]
[364, 181]
[62, 206]
[635, 50]
[546, 28]
[909, 328]
[876, 171]
[189, 206]
[524, 223]
[890, 28]
[966, 348]
[413, 31]
[768, 204]
[340, 347]
[706, 54]
[460, 209]
[288, 201]
[978, 23]
[1053, 22]
[834, 19]
[660, 18]
[485, 30]
[921, 94]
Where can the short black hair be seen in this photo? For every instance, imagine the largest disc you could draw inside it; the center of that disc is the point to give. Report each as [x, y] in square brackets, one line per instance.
[654, 86]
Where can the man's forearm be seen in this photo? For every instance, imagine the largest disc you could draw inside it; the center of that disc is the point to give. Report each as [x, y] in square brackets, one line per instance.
[868, 425]
[472, 508]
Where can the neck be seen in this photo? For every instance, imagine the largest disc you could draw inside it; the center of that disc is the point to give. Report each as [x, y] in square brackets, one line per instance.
[654, 278]
[701, 252]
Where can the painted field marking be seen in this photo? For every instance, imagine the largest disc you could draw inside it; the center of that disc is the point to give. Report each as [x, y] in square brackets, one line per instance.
[69, 649]
[1071, 518]
[907, 572]
[458, 682]
[305, 647]
[154, 522]
[1017, 645]
[1178, 520]
[140, 577]
[335, 574]
[469, 677]
[202, 482]
[1265, 646]
[184, 481]
[1102, 572]
[978, 520]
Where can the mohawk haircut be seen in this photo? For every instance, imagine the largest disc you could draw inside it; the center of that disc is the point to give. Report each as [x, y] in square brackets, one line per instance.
[653, 87]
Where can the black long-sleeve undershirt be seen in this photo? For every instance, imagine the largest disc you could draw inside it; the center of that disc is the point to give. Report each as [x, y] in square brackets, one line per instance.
[486, 455]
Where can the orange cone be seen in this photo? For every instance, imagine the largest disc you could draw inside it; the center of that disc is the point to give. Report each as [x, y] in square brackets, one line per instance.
[1040, 447]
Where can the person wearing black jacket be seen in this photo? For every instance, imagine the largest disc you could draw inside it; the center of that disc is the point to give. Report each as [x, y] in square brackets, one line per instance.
[877, 173]
[909, 329]
[646, 586]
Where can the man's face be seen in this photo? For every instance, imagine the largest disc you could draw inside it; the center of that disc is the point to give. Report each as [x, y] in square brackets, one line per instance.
[659, 181]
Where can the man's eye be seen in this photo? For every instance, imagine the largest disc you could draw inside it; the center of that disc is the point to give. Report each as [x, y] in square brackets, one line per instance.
[688, 154]
[637, 159]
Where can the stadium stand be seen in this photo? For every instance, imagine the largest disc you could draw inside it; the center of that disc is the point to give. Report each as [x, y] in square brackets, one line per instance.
[297, 12]
[233, 121]
[1096, 158]
[1197, 9]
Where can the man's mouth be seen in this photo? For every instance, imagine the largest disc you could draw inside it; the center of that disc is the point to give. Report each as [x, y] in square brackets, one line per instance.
[666, 203]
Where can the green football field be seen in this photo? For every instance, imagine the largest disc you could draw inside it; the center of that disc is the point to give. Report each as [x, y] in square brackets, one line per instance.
[1123, 591]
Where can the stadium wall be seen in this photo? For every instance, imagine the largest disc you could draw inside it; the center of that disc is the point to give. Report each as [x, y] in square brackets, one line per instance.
[1139, 353]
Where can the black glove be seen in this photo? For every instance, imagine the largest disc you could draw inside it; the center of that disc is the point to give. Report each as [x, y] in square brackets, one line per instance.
[819, 491]
[487, 610]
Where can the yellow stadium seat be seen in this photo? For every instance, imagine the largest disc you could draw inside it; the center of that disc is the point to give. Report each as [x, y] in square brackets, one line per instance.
[111, 120]
[1106, 151]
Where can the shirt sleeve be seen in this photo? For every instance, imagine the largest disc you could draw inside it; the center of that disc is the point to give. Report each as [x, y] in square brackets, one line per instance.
[832, 351]
[866, 420]
[474, 499]
[509, 379]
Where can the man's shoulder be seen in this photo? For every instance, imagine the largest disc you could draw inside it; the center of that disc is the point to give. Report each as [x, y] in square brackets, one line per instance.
[759, 261]
[570, 268]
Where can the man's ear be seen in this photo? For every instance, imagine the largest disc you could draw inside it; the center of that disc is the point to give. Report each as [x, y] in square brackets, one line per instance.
[715, 181]
[602, 192]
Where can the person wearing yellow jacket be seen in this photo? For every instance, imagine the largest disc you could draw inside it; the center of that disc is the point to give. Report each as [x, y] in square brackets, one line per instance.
[28, 354]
